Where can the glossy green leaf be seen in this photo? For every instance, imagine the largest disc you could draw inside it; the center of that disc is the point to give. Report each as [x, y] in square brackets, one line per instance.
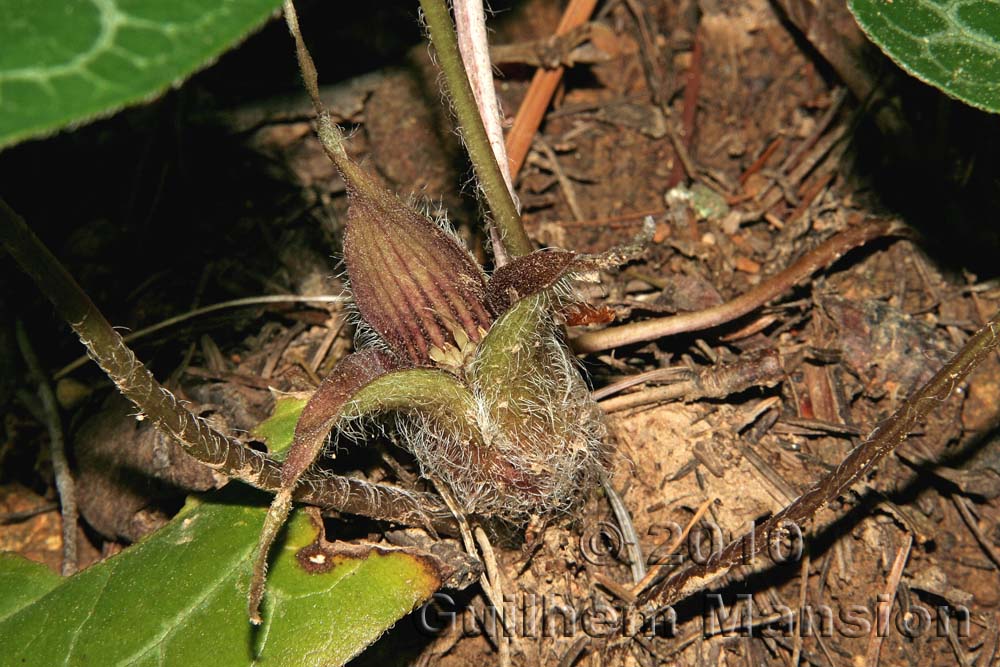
[951, 44]
[69, 61]
[179, 598]
[278, 430]
[22, 582]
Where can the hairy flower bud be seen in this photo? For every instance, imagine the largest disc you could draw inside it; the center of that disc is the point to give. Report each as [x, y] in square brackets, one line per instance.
[523, 430]
[413, 283]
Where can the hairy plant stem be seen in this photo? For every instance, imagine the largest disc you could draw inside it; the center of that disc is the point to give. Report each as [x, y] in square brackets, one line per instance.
[862, 459]
[204, 310]
[491, 180]
[204, 443]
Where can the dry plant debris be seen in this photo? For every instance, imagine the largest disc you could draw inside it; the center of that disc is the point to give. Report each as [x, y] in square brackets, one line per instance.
[724, 96]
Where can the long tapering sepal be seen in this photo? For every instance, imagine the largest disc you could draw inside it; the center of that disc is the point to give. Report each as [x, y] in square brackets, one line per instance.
[318, 417]
[364, 384]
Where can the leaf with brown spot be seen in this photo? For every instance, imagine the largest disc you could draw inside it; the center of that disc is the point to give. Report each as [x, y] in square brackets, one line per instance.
[125, 610]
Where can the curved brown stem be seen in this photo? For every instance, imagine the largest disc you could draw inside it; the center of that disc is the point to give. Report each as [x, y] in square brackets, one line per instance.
[823, 255]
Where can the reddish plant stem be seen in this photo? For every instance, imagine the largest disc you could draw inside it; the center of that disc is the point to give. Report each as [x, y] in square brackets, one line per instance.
[759, 163]
[691, 91]
[543, 86]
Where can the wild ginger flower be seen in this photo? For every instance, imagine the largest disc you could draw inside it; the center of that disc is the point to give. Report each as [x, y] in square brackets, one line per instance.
[485, 391]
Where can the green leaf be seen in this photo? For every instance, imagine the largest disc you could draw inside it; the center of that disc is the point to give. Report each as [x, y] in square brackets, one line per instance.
[70, 61]
[179, 598]
[951, 44]
[279, 429]
[22, 582]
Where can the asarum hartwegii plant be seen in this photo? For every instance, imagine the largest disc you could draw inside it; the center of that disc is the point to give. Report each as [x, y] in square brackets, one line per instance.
[485, 392]
[483, 389]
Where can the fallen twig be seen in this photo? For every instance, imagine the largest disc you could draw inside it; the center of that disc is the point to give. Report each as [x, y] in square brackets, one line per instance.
[636, 562]
[888, 598]
[970, 521]
[564, 183]
[470, 25]
[543, 85]
[57, 451]
[691, 91]
[823, 255]
[763, 369]
[862, 459]
[803, 598]
[668, 549]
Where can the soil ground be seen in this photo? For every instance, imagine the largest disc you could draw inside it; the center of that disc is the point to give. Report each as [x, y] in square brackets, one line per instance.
[209, 194]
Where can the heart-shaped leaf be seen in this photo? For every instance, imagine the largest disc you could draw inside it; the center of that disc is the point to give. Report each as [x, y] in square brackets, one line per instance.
[951, 44]
[70, 61]
[178, 598]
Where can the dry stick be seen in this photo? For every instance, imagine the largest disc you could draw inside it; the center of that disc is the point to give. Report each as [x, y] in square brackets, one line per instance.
[670, 549]
[200, 440]
[803, 596]
[992, 652]
[575, 650]
[861, 460]
[691, 91]
[564, 183]
[792, 160]
[879, 629]
[669, 374]
[470, 24]
[956, 647]
[719, 381]
[649, 52]
[970, 521]
[636, 562]
[823, 255]
[198, 312]
[489, 577]
[759, 163]
[57, 450]
[496, 584]
[488, 173]
[543, 86]
[684, 389]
